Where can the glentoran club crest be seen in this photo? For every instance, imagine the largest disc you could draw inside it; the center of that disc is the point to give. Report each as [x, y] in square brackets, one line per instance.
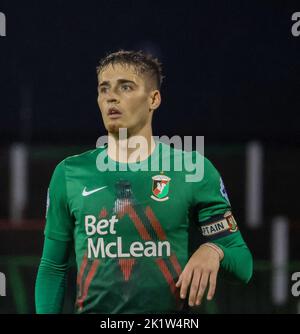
[160, 187]
[231, 221]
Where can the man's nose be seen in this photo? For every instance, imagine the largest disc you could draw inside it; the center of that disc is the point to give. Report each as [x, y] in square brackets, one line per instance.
[112, 97]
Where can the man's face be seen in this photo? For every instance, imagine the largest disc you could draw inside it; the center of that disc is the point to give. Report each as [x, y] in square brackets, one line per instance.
[125, 99]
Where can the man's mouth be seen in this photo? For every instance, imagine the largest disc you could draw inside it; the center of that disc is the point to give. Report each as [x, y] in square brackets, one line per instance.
[114, 113]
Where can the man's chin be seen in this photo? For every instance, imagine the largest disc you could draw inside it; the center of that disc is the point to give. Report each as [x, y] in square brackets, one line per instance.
[113, 128]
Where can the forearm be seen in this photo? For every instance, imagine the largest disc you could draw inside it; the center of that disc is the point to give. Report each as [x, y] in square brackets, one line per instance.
[51, 278]
[50, 287]
[237, 257]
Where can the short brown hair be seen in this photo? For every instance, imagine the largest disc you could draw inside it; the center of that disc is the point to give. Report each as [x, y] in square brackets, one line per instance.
[142, 62]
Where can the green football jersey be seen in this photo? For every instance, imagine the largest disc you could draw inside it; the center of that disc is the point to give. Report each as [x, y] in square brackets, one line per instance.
[130, 225]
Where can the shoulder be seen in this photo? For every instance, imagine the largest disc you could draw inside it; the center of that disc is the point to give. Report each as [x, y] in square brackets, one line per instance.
[83, 159]
[180, 152]
[190, 160]
[87, 155]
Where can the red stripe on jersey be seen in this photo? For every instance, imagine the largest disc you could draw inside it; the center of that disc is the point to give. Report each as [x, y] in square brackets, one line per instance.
[103, 213]
[176, 264]
[162, 236]
[126, 266]
[87, 282]
[164, 269]
[155, 224]
[168, 276]
[138, 223]
[80, 274]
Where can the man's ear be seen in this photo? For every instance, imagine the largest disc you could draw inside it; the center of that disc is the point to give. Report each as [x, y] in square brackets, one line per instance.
[155, 99]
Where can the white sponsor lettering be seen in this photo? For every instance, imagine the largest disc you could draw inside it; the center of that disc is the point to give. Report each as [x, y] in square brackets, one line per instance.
[100, 249]
[101, 227]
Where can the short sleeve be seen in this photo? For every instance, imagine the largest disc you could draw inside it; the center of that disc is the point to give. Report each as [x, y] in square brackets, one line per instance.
[59, 222]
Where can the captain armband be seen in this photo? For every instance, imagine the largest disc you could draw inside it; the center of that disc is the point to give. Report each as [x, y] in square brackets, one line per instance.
[219, 226]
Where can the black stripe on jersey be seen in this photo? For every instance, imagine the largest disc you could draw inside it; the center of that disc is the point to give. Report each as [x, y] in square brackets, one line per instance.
[140, 211]
[171, 268]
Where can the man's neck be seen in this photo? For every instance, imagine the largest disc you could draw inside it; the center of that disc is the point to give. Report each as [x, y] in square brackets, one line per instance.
[130, 149]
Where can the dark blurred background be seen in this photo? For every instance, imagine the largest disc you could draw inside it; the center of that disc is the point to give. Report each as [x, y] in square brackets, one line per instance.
[232, 75]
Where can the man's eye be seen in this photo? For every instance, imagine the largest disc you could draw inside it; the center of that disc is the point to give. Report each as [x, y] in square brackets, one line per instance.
[103, 90]
[126, 88]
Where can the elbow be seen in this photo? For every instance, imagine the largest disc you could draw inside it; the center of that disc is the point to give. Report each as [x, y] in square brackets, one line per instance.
[247, 273]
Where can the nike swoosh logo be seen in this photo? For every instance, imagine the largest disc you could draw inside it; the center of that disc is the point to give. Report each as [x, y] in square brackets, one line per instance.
[87, 193]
